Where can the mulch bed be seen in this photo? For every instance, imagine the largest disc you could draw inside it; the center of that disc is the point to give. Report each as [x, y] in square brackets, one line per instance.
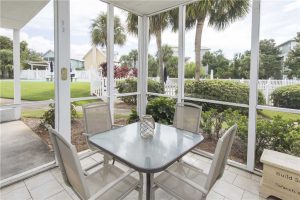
[237, 152]
[77, 127]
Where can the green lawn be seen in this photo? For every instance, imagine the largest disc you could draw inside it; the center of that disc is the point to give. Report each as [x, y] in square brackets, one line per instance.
[287, 116]
[38, 91]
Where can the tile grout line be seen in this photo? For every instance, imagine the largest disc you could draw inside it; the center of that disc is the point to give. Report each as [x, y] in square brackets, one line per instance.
[27, 189]
[61, 186]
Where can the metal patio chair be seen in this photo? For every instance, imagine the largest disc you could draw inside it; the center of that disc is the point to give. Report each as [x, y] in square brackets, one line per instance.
[185, 181]
[107, 183]
[97, 119]
[187, 117]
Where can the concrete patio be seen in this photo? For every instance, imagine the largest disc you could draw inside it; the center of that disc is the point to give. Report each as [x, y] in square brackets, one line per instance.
[21, 149]
[234, 185]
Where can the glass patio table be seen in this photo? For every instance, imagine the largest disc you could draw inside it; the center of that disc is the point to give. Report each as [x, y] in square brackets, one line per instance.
[148, 156]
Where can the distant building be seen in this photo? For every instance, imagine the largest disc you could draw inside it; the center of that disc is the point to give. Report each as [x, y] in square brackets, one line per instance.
[202, 52]
[94, 57]
[74, 63]
[48, 56]
[286, 47]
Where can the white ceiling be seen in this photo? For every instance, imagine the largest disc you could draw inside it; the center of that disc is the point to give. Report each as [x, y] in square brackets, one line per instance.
[16, 13]
[147, 7]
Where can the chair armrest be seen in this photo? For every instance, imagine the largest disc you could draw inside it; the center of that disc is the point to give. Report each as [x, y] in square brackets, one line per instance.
[110, 185]
[187, 181]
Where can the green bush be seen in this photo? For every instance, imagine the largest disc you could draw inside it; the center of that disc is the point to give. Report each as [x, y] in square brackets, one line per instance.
[162, 109]
[130, 85]
[48, 117]
[275, 134]
[220, 90]
[133, 117]
[287, 96]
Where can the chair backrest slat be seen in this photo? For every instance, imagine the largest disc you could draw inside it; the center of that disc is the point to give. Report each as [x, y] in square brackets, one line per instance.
[220, 157]
[97, 118]
[187, 117]
[69, 164]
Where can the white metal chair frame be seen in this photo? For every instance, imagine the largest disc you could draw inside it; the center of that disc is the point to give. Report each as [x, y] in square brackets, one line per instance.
[87, 133]
[73, 174]
[216, 170]
[190, 105]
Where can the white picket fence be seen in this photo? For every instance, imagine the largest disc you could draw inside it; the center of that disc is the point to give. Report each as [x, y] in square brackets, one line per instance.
[98, 85]
[265, 86]
[44, 74]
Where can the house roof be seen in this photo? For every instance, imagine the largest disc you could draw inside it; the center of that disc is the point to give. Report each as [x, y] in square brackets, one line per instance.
[16, 14]
[100, 51]
[48, 54]
[147, 7]
[292, 40]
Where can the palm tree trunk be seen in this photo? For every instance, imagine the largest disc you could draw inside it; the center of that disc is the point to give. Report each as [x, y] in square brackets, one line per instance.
[199, 29]
[160, 58]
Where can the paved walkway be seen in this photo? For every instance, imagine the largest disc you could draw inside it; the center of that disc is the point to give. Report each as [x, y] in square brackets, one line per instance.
[21, 149]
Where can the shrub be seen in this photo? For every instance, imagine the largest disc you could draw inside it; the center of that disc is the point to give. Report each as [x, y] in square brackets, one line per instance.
[287, 96]
[215, 123]
[277, 134]
[162, 109]
[133, 117]
[220, 90]
[130, 85]
[48, 117]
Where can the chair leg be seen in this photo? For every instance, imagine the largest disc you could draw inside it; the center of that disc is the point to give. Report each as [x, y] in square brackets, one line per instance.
[113, 162]
[141, 186]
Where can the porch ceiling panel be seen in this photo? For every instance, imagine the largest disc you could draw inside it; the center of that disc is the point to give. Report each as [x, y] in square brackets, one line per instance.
[15, 13]
[147, 7]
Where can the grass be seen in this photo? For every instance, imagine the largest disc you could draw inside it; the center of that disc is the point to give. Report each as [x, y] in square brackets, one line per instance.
[33, 113]
[39, 91]
[286, 116]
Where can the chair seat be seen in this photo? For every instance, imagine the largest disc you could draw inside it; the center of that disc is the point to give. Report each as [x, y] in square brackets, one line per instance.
[107, 174]
[178, 187]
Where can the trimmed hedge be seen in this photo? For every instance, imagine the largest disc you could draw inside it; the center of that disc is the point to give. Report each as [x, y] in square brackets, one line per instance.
[162, 109]
[220, 90]
[130, 85]
[287, 97]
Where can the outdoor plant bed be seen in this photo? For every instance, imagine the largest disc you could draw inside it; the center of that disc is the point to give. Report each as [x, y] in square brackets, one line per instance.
[77, 138]
[237, 153]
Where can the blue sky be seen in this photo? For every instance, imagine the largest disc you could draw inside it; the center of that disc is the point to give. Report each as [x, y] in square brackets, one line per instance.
[279, 20]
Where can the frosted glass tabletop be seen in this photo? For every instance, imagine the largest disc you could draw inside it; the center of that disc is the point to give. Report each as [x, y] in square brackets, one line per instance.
[147, 155]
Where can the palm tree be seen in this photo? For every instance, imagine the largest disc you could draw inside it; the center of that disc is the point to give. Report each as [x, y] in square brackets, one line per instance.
[157, 24]
[133, 55]
[99, 31]
[219, 15]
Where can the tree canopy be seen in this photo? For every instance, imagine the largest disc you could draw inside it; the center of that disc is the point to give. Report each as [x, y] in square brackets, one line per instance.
[219, 15]
[6, 55]
[99, 31]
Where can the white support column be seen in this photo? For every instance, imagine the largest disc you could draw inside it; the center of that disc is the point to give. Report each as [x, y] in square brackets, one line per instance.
[62, 67]
[253, 84]
[17, 71]
[143, 35]
[110, 58]
[181, 53]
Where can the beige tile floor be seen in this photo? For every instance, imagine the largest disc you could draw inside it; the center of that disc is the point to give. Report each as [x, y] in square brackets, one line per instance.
[234, 185]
